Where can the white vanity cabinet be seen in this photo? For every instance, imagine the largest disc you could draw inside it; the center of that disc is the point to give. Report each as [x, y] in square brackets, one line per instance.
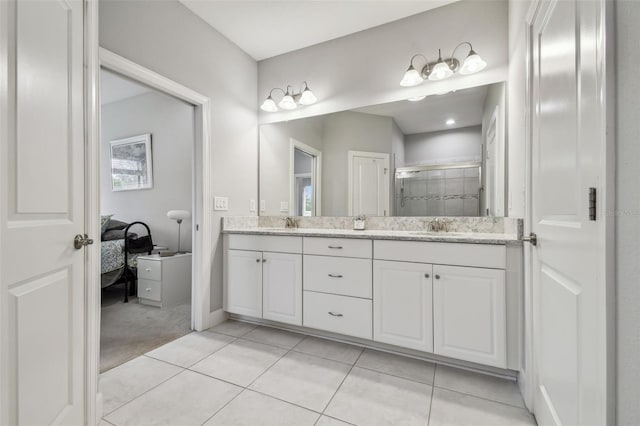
[402, 304]
[469, 314]
[263, 277]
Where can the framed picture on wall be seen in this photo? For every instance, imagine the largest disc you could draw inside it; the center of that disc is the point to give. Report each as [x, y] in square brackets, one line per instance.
[131, 166]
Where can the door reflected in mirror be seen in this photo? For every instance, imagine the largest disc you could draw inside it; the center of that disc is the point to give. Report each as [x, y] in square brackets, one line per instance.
[444, 155]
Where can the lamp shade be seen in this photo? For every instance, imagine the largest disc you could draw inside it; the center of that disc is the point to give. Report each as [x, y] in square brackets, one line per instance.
[411, 78]
[307, 97]
[440, 71]
[269, 105]
[287, 102]
[472, 63]
[178, 214]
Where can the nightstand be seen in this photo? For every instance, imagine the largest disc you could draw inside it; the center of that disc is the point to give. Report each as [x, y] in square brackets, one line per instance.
[164, 281]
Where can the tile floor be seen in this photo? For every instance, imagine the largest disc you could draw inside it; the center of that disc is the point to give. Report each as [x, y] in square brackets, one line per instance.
[240, 374]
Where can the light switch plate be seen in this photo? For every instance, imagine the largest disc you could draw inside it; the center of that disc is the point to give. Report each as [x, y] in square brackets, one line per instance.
[221, 203]
[284, 206]
[252, 205]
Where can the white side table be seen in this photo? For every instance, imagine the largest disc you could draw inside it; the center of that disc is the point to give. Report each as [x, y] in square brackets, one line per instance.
[164, 281]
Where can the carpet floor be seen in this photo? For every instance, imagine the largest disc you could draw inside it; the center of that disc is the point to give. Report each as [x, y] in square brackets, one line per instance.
[128, 330]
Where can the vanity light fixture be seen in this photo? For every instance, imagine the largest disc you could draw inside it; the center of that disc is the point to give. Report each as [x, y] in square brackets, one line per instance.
[443, 68]
[290, 99]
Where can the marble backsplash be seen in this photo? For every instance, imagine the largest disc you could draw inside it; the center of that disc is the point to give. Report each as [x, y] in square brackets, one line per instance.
[491, 225]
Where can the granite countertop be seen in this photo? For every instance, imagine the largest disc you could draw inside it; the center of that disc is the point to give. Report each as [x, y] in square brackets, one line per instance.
[449, 237]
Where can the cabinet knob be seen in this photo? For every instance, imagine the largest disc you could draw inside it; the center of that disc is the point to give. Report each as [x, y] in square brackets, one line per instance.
[426, 275]
[147, 269]
[437, 277]
[257, 260]
[264, 260]
[147, 289]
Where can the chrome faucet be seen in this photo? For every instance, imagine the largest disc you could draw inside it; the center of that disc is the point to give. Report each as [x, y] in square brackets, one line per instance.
[290, 222]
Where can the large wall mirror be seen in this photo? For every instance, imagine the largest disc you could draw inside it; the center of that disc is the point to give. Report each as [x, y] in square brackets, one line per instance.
[442, 155]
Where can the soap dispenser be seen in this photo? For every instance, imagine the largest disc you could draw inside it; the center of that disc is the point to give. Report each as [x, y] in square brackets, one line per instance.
[359, 223]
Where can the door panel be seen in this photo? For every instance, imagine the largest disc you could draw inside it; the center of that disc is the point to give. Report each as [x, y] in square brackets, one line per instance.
[282, 287]
[42, 199]
[469, 314]
[243, 293]
[369, 184]
[402, 308]
[567, 130]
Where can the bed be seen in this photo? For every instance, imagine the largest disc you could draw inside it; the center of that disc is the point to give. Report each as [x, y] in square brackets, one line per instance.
[119, 251]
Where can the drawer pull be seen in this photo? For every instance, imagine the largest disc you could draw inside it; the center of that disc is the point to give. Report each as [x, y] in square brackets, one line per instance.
[264, 260]
[336, 247]
[258, 260]
[437, 277]
[426, 275]
[335, 276]
[333, 314]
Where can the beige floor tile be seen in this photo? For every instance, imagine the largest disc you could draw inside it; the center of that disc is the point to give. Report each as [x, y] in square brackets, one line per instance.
[274, 337]
[254, 409]
[191, 348]
[397, 365]
[329, 349]
[186, 399]
[370, 398]
[240, 362]
[303, 379]
[233, 328]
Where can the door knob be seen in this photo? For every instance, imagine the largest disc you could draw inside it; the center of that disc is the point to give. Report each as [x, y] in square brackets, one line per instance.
[80, 241]
[532, 238]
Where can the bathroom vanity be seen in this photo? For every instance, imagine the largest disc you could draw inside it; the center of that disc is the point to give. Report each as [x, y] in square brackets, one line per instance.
[449, 294]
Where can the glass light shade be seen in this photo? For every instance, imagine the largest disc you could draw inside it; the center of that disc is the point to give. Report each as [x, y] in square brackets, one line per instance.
[307, 97]
[411, 78]
[178, 214]
[440, 71]
[269, 105]
[287, 102]
[416, 98]
[472, 63]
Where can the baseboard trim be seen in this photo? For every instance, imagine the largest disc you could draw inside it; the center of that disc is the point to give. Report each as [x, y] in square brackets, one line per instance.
[99, 407]
[216, 317]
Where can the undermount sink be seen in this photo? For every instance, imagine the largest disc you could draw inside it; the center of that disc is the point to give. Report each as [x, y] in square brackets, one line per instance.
[437, 234]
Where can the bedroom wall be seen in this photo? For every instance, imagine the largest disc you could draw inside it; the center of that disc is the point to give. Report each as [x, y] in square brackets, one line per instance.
[167, 38]
[171, 124]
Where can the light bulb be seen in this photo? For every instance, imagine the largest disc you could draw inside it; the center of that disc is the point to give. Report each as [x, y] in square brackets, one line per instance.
[472, 63]
[441, 70]
[269, 105]
[411, 78]
[450, 122]
[287, 102]
[307, 97]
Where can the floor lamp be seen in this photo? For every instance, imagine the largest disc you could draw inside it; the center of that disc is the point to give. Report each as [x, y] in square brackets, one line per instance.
[178, 216]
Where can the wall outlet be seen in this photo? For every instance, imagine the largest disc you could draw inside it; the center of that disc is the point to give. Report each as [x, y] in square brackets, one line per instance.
[252, 205]
[263, 205]
[284, 206]
[221, 203]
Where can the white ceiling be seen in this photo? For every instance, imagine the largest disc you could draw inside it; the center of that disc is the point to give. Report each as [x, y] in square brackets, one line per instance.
[430, 115]
[114, 87]
[267, 28]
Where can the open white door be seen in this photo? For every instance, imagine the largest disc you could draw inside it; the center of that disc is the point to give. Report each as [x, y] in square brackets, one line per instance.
[42, 314]
[368, 184]
[568, 142]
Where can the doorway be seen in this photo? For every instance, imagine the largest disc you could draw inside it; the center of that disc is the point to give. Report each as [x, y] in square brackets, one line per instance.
[306, 180]
[368, 183]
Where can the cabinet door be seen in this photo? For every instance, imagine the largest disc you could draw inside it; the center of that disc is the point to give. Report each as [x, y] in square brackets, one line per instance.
[402, 304]
[470, 314]
[243, 293]
[282, 287]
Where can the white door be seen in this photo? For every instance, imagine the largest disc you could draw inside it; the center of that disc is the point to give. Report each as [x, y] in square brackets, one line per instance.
[243, 291]
[42, 375]
[568, 141]
[402, 304]
[469, 314]
[282, 287]
[368, 184]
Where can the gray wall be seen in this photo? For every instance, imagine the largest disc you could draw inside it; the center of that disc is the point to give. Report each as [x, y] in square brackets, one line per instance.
[628, 213]
[171, 125]
[343, 132]
[447, 146]
[167, 38]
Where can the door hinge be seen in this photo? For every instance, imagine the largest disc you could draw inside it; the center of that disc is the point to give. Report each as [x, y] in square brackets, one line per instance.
[592, 204]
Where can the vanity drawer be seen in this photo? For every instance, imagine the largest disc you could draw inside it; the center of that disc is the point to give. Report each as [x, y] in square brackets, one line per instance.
[149, 289]
[479, 255]
[150, 269]
[273, 243]
[338, 247]
[338, 275]
[340, 314]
